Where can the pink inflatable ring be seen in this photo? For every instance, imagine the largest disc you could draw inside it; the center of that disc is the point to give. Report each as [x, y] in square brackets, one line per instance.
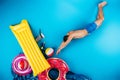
[58, 64]
[21, 66]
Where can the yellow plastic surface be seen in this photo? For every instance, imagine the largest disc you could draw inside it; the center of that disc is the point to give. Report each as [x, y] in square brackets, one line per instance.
[30, 48]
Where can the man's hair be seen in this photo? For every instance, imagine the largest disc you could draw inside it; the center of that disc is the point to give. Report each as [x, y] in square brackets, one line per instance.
[65, 38]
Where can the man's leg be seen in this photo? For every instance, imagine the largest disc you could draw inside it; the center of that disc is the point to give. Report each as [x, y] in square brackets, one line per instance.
[100, 17]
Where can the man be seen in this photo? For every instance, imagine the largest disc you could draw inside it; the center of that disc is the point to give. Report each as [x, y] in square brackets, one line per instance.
[84, 32]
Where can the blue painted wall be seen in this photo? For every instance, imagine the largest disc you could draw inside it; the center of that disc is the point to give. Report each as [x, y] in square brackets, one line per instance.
[97, 55]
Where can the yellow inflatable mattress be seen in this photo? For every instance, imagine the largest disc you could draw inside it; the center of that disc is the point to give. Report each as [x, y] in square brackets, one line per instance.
[30, 48]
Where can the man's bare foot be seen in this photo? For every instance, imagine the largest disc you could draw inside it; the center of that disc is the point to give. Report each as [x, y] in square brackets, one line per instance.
[102, 4]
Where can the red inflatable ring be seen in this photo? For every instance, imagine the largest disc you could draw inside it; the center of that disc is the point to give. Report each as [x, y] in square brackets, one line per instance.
[58, 64]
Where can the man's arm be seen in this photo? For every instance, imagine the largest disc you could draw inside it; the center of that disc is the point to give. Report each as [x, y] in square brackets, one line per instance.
[64, 44]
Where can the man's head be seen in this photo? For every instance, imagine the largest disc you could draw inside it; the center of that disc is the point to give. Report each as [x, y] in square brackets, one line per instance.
[65, 38]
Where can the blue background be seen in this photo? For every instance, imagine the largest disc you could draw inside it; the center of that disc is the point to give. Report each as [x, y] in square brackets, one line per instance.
[97, 55]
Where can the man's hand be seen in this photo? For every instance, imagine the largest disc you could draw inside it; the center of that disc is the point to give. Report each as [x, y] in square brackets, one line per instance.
[58, 51]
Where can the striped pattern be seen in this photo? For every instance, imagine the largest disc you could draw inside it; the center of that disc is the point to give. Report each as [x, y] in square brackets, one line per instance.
[30, 48]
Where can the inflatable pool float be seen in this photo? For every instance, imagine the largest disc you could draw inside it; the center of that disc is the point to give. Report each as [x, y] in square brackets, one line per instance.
[21, 66]
[30, 48]
[58, 64]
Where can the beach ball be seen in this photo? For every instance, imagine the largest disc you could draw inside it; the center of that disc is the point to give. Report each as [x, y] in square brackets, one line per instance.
[49, 52]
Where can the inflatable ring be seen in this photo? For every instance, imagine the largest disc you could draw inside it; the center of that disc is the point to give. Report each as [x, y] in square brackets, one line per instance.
[57, 64]
[21, 66]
